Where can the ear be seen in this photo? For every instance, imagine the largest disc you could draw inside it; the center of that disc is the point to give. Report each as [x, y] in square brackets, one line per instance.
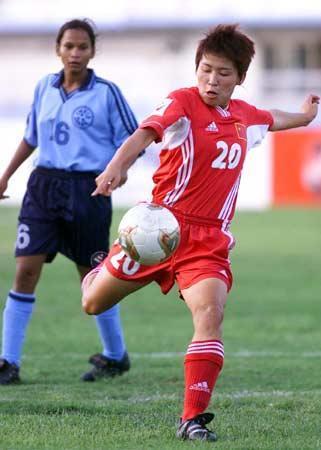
[242, 79]
[57, 50]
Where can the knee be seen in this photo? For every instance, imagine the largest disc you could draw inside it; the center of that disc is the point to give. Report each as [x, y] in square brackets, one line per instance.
[89, 306]
[208, 316]
[93, 305]
[209, 310]
[26, 279]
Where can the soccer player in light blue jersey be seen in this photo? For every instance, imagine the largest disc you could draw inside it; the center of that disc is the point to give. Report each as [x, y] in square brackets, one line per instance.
[77, 121]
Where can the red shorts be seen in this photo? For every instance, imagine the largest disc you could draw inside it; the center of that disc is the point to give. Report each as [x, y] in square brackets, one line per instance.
[203, 252]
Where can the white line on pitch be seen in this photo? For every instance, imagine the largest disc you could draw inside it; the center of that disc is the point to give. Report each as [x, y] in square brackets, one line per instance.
[164, 355]
[240, 354]
[224, 395]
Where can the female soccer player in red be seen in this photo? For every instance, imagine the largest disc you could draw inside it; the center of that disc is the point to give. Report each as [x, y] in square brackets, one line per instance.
[205, 136]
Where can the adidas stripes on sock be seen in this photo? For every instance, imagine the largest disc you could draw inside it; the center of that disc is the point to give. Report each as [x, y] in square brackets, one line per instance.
[203, 363]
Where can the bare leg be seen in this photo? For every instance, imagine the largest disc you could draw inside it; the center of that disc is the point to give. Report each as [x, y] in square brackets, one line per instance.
[28, 270]
[205, 354]
[105, 291]
[111, 335]
[206, 301]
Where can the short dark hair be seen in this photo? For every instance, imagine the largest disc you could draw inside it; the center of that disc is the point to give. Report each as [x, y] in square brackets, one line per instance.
[227, 41]
[85, 24]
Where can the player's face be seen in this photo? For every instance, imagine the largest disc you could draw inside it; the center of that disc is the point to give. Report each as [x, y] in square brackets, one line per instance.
[216, 79]
[75, 50]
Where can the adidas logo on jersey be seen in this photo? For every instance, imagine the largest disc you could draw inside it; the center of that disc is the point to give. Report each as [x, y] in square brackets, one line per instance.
[202, 386]
[212, 127]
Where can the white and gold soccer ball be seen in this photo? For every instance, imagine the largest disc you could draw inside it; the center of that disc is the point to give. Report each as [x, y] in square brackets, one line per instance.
[149, 233]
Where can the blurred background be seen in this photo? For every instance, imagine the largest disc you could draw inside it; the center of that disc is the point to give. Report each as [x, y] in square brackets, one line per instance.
[148, 49]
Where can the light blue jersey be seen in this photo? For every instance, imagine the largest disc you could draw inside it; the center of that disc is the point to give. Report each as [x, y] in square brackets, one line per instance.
[79, 131]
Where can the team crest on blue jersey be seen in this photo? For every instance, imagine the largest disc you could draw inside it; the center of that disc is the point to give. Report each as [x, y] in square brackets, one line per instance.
[83, 117]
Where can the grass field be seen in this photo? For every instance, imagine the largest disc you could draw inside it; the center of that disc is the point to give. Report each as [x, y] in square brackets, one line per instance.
[269, 393]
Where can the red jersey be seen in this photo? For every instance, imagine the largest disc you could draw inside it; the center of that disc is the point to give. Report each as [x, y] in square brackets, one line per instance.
[203, 152]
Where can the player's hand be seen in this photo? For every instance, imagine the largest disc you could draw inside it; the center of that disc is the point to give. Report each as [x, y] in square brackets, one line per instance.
[3, 188]
[124, 178]
[108, 181]
[310, 107]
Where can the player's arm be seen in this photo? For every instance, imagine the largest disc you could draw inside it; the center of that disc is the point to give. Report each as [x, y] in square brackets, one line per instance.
[283, 120]
[23, 152]
[127, 153]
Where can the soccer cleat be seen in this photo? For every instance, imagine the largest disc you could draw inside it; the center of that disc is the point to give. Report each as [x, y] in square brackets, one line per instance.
[9, 373]
[105, 367]
[195, 429]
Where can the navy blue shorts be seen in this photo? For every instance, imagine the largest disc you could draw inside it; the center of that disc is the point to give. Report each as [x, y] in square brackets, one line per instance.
[58, 214]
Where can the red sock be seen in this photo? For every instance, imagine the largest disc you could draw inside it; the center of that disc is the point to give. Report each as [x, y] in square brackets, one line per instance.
[203, 363]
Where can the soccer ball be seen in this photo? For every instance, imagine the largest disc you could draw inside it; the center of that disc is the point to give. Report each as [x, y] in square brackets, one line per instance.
[149, 233]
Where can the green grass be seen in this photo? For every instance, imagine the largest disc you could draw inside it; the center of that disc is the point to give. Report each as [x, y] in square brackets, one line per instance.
[269, 393]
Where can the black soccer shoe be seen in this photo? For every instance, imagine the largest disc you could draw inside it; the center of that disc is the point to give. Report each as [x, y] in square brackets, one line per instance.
[195, 429]
[9, 373]
[105, 367]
